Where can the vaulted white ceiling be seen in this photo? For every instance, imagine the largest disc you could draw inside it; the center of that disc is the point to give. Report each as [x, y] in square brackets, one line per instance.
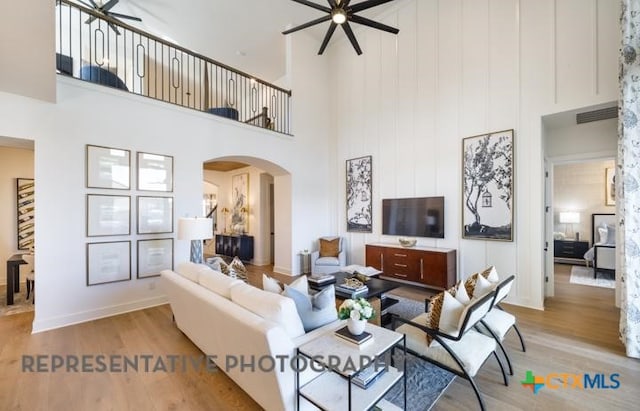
[245, 34]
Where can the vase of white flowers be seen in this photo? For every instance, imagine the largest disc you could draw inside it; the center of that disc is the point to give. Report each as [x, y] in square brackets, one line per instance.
[356, 312]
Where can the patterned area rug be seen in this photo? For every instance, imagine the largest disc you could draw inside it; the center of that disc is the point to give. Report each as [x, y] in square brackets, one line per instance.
[584, 276]
[20, 304]
[425, 381]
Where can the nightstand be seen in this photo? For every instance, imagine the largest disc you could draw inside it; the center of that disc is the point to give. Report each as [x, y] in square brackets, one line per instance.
[570, 249]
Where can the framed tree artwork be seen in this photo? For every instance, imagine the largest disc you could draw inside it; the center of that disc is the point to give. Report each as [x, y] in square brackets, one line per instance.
[487, 186]
[359, 208]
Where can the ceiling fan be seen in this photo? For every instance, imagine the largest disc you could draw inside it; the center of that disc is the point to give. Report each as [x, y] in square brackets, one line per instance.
[104, 8]
[340, 12]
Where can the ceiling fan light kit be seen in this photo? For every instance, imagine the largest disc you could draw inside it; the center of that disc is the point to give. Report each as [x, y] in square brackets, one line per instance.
[340, 13]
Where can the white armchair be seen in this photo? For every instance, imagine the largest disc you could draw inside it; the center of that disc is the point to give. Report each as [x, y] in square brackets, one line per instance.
[329, 257]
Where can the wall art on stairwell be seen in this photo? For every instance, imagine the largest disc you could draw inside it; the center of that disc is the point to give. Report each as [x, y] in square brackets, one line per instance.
[487, 186]
[359, 200]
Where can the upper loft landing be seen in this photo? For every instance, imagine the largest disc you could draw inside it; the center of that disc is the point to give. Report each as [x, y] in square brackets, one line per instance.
[95, 47]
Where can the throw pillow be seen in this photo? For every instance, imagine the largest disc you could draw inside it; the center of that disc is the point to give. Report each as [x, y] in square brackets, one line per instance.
[461, 293]
[491, 274]
[482, 287]
[218, 264]
[433, 313]
[603, 233]
[301, 284]
[313, 317]
[452, 310]
[329, 248]
[470, 284]
[271, 284]
[237, 269]
[611, 234]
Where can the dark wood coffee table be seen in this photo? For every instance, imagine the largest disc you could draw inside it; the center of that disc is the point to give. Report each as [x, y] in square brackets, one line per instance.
[376, 295]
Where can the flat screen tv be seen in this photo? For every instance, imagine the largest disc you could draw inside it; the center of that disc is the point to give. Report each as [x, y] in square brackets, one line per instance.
[413, 217]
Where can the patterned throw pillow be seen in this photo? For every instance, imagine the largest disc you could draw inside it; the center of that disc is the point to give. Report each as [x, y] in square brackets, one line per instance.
[329, 248]
[470, 283]
[238, 270]
[433, 314]
[444, 313]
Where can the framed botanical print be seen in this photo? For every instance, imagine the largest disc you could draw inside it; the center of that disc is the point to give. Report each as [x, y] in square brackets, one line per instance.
[487, 186]
[359, 195]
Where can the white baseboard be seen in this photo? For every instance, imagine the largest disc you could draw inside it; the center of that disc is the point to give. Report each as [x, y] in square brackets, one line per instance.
[81, 317]
[282, 270]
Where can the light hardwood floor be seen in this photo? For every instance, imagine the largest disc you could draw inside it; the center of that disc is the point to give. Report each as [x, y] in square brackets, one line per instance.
[577, 333]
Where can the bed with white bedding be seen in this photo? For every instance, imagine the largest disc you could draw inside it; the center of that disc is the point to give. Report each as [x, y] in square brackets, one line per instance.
[603, 237]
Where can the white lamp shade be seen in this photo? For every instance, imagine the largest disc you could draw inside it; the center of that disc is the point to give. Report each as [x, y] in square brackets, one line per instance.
[569, 217]
[190, 228]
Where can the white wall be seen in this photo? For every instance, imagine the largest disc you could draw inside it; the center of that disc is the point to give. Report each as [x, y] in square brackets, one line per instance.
[27, 66]
[598, 138]
[460, 68]
[14, 163]
[580, 187]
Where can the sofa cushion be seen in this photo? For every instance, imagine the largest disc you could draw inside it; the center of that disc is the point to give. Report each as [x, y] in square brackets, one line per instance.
[314, 311]
[328, 261]
[329, 248]
[270, 306]
[271, 284]
[217, 282]
[189, 270]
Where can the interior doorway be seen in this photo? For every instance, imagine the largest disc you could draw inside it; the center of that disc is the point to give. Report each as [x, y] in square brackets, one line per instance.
[577, 155]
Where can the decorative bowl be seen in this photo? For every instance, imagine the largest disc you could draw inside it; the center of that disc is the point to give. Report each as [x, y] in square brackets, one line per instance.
[407, 242]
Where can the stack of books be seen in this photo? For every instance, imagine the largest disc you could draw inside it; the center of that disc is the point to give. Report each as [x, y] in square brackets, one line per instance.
[353, 291]
[367, 376]
[355, 339]
[321, 279]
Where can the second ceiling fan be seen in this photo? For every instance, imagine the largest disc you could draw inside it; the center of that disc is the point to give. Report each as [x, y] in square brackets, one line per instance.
[340, 12]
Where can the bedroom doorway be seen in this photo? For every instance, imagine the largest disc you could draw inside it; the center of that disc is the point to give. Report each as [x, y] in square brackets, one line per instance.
[577, 158]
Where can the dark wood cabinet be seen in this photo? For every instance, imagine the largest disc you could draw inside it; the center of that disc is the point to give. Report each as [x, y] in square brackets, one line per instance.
[570, 249]
[425, 266]
[240, 246]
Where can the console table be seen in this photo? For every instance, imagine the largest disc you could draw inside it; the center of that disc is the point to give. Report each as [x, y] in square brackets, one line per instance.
[240, 246]
[424, 266]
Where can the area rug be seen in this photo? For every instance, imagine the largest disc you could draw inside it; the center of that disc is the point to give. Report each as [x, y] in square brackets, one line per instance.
[584, 276]
[425, 381]
[20, 304]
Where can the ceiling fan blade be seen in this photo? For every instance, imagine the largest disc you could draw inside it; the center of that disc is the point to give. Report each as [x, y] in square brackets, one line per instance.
[115, 28]
[352, 38]
[90, 20]
[309, 24]
[124, 16]
[86, 4]
[93, 4]
[370, 23]
[314, 5]
[109, 5]
[327, 37]
[332, 3]
[367, 5]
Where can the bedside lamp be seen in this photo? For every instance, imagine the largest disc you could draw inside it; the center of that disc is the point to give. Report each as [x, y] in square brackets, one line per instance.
[196, 230]
[569, 217]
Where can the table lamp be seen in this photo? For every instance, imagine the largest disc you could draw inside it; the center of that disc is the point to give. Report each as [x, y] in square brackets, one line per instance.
[569, 217]
[195, 229]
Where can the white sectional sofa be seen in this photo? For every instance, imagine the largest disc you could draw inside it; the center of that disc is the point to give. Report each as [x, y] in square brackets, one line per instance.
[232, 320]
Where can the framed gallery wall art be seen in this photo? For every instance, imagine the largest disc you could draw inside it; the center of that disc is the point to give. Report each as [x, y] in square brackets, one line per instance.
[610, 186]
[154, 256]
[155, 172]
[359, 200]
[155, 215]
[487, 186]
[108, 215]
[108, 168]
[25, 208]
[108, 262]
[240, 203]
